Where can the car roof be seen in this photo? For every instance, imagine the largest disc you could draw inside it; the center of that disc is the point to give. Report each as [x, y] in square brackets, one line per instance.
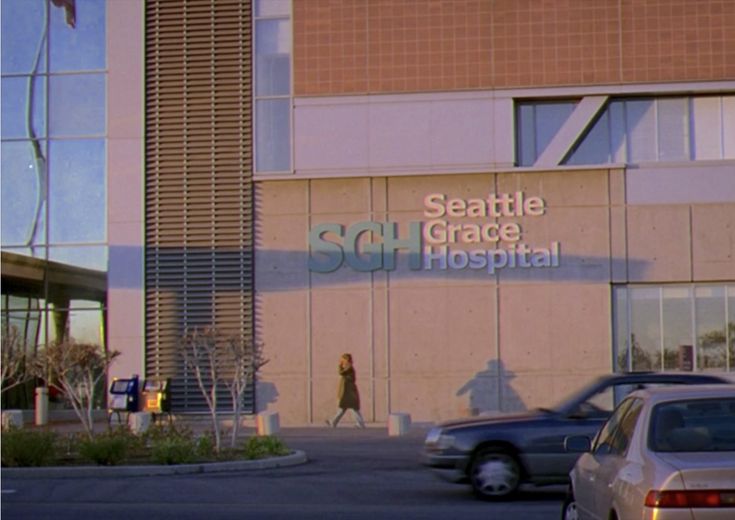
[684, 392]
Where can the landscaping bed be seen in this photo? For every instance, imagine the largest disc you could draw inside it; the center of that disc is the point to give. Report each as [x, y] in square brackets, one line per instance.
[162, 444]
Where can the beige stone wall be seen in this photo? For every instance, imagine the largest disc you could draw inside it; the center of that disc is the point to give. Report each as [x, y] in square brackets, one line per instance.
[441, 344]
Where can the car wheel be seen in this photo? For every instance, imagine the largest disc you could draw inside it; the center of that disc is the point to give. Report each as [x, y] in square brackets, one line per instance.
[569, 509]
[495, 474]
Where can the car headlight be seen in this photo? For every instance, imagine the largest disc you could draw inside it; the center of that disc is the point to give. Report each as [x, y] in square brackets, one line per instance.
[437, 439]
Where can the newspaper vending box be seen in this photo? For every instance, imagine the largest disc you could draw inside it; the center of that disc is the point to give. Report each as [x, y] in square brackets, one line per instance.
[123, 396]
[157, 396]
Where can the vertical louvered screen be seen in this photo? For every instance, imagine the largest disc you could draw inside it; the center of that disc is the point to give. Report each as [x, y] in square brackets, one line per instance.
[199, 218]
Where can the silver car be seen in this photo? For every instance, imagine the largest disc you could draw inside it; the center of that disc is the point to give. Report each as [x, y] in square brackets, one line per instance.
[664, 454]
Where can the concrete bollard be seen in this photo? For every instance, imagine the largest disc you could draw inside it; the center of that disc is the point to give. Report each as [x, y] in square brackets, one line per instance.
[41, 406]
[268, 423]
[139, 422]
[398, 424]
[13, 418]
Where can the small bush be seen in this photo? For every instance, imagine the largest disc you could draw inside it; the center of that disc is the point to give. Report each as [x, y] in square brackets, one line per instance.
[173, 450]
[205, 447]
[109, 448]
[23, 448]
[265, 446]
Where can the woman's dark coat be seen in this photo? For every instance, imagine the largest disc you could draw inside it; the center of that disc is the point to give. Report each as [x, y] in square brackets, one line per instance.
[347, 394]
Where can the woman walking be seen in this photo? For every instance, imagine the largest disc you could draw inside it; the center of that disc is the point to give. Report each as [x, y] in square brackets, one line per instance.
[348, 396]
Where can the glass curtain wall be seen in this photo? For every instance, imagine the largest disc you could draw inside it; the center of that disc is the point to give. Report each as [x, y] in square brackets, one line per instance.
[272, 86]
[674, 327]
[634, 131]
[53, 170]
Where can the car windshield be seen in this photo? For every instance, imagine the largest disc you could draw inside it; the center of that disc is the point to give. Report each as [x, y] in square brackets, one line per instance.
[693, 426]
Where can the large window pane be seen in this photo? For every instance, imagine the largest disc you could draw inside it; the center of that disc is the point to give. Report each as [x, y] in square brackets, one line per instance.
[645, 329]
[706, 117]
[526, 135]
[621, 349]
[673, 129]
[595, 146]
[618, 137]
[677, 325]
[272, 7]
[22, 96]
[77, 37]
[77, 105]
[23, 193]
[710, 319]
[272, 53]
[77, 191]
[22, 34]
[549, 119]
[728, 127]
[272, 137]
[641, 129]
[87, 257]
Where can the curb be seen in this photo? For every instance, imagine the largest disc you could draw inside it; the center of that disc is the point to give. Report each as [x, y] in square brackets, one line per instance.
[295, 458]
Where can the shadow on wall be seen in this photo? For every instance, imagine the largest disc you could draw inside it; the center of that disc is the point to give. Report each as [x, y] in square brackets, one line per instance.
[266, 393]
[490, 392]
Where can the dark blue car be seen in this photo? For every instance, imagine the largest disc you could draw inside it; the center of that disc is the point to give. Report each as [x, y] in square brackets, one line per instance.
[498, 454]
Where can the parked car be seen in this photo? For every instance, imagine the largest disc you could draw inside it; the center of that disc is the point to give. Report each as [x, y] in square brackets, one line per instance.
[498, 454]
[665, 453]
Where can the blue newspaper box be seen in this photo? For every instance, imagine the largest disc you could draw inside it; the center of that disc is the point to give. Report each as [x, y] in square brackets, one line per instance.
[123, 396]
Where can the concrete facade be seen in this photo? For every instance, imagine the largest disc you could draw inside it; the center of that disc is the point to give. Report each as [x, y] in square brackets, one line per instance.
[438, 344]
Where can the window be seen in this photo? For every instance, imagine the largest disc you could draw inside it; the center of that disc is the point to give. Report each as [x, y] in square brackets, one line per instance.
[634, 130]
[53, 172]
[272, 86]
[693, 426]
[674, 327]
[537, 123]
[605, 441]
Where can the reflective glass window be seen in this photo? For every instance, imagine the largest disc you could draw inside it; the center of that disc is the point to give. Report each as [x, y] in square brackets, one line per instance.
[84, 256]
[676, 320]
[23, 179]
[641, 130]
[273, 58]
[77, 36]
[77, 191]
[77, 105]
[24, 107]
[595, 146]
[272, 7]
[272, 143]
[620, 319]
[673, 129]
[711, 318]
[674, 327]
[645, 332]
[538, 123]
[23, 42]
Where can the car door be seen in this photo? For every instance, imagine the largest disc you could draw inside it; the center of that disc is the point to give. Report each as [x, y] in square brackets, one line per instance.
[546, 456]
[613, 473]
[587, 470]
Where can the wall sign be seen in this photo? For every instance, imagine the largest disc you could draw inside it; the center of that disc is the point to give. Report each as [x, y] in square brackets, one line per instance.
[443, 241]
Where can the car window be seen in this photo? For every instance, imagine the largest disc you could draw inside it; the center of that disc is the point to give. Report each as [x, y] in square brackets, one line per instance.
[604, 440]
[693, 426]
[624, 432]
[602, 403]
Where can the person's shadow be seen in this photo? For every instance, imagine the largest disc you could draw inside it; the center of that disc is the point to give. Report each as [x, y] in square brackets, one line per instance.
[490, 391]
[265, 394]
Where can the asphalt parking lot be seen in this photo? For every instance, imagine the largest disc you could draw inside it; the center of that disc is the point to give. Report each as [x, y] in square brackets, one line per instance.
[350, 473]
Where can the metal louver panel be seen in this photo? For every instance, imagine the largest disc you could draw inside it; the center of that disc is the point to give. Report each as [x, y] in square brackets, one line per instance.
[199, 205]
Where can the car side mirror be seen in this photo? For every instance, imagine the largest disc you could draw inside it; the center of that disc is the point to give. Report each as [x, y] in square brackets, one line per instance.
[577, 444]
